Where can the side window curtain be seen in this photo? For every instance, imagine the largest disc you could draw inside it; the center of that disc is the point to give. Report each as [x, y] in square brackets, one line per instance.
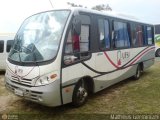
[139, 35]
[104, 38]
[121, 35]
[133, 35]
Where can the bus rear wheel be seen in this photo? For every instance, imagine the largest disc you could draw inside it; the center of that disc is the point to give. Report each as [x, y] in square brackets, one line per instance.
[138, 73]
[158, 52]
[80, 94]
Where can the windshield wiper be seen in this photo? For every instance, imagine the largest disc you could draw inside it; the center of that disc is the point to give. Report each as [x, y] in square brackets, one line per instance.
[17, 50]
[32, 52]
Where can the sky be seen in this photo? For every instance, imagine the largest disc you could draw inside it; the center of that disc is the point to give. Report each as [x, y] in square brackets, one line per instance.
[14, 12]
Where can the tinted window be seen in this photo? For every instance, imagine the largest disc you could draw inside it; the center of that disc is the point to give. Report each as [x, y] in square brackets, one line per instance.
[133, 36]
[1, 46]
[145, 42]
[104, 38]
[77, 46]
[137, 35]
[9, 45]
[121, 35]
[149, 36]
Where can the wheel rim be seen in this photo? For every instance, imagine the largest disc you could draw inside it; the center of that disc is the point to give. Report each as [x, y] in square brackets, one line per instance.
[81, 94]
[138, 72]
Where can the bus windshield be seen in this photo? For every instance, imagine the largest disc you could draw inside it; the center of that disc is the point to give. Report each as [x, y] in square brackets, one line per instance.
[39, 37]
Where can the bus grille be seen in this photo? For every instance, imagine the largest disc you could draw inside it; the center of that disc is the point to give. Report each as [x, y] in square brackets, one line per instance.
[22, 81]
[28, 94]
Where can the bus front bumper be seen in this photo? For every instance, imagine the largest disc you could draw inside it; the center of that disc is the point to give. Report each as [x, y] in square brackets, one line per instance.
[48, 95]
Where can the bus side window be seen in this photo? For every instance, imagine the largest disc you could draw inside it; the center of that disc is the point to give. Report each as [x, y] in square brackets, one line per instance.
[1, 46]
[69, 46]
[9, 45]
[77, 46]
[139, 35]
[149, 35]
[138, 39]
[121, 35]
[133, 35]
[104, 38]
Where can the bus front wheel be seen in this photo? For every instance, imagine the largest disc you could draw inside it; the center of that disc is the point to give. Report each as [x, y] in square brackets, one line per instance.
[80, 94]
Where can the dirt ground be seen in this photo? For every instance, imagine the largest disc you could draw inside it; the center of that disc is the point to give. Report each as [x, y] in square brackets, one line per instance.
[7, 99]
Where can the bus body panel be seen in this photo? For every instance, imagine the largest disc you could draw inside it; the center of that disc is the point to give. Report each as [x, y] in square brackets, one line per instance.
[112, 78]
[109, 74]
[48, 95]
[24, 79]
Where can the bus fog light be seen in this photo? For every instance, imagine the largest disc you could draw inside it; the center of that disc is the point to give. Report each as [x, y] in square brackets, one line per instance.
[40, 98]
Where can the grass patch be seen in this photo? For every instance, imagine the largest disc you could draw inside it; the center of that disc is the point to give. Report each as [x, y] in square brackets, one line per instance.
[127, 97]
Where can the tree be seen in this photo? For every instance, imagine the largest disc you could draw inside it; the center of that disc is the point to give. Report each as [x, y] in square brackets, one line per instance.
[74, 5]
[102, 7]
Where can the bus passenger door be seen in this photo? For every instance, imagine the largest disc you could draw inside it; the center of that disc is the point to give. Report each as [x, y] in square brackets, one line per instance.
[104, 45]
[76, 51]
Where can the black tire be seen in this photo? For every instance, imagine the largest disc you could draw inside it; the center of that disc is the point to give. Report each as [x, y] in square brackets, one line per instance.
[158, 52]
[80, 94]
[138, 73]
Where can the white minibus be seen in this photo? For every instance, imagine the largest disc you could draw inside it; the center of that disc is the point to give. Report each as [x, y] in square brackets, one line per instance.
[62, 56]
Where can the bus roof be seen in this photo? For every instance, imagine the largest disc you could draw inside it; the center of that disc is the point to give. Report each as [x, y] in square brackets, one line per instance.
[108, 13]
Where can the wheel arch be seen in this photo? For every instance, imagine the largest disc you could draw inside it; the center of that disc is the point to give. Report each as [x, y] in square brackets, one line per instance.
[141, 66]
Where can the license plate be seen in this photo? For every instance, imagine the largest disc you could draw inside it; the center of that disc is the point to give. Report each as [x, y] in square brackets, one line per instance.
[18, 92]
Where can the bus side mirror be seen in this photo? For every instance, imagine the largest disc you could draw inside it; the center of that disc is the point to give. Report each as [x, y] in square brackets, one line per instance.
[76, 25]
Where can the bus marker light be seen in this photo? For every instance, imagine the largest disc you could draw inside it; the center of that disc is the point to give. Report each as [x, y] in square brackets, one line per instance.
[40, 98]
[68, 89]
[53, 76]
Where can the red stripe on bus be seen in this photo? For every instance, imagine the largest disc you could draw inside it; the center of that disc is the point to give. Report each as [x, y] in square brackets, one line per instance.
[141, 55]
[110, 60]
[135, 59]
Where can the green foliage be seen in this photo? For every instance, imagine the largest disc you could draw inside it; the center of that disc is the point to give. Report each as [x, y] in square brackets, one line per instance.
[157, 38]
[102, 7]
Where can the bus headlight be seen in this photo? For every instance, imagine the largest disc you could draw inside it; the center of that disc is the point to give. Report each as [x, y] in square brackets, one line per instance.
[46, 79]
